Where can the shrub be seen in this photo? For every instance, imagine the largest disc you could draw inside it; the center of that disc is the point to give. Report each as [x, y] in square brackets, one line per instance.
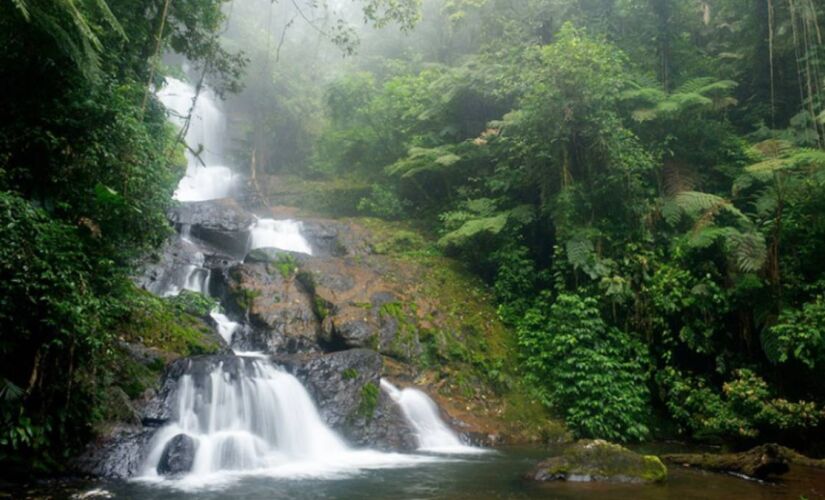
[595, 375]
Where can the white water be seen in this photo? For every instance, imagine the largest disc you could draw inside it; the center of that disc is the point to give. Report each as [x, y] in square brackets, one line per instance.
[208, 180]
[261, 421]
[422, 413]
[281, 234]
[226, 327]
[253, 418]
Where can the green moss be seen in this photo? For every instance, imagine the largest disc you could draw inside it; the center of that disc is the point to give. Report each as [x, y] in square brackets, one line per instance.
[606, 462]
[369, 400]
[193, 303]
[285, 264]
[245, 297]
[166, 325]
[322, 307]
[349, 374]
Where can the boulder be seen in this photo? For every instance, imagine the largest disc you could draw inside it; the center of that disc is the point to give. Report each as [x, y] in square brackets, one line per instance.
[222, 224]
[279, 308]
[178, 456]
[346, 388]
[117, 453]
[598, 460]
[759, 462]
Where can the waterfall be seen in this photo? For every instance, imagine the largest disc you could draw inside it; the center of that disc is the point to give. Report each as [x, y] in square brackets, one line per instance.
[281, 234]
[422, 413]
[226, 327]
[247, 416]
[242, 414]
[206, 178]
[250, 416]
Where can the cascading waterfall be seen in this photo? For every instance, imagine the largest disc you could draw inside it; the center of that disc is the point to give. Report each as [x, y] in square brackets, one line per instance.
[253, 418]
[206, 178]
[422, 413]
[281, 234]
[244, 414]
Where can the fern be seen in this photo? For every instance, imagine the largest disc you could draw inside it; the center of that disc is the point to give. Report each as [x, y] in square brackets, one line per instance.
[747, 249]
[699, 93]
[69, 24]
[580, 250]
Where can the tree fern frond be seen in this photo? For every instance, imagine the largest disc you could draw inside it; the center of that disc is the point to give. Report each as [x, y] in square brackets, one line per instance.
[747, 249]
[707, 235]
[671, 212]
[580, 250]
[772, 345]
[23, 7]
[694, 85]
[678, 177]
[772, 148]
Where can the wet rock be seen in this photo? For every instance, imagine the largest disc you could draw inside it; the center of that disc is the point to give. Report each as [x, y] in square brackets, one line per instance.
[279, 309]
[220, 223]
[598, 460]
[119, 407]
[178, 456]
[759, 462]
[346, 388]
[117, 453]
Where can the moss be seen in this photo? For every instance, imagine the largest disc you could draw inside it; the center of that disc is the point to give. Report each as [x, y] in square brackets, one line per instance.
[322, 307]
[285, 264]
[193, 303]
[369, 400]
[349, 374]
[165, 325]
[245, 297]
[603, 461]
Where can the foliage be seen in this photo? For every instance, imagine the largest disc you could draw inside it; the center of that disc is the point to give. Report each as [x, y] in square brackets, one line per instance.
[592, 373]
[798, 335]
[382, 202]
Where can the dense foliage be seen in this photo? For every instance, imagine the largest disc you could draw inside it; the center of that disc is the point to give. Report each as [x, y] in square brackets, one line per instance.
[649, 214]
[641, 182]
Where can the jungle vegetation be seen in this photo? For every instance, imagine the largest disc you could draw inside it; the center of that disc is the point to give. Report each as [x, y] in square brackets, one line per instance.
[641, 182]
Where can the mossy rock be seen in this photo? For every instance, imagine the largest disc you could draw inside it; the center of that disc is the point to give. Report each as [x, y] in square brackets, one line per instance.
[597, 460]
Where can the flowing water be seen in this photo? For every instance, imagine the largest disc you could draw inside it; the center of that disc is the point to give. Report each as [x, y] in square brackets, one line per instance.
[421, 412]
[494, 475]
[246, 417]
[281, 234]
[257, 433]
[206, 176]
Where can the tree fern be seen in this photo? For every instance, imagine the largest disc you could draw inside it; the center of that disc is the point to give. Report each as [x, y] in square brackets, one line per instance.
[699, 93]
[70, 24]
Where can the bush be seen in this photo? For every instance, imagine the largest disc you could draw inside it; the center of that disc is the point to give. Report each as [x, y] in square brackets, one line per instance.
[594, 374]
[382, 202]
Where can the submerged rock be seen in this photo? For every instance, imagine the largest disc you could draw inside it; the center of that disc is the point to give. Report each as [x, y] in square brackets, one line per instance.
[346, 388]
[759, 462]
[598, 460]
[178, 456]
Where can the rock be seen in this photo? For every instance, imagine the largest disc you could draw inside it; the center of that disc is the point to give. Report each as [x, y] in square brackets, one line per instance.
[220, 223]
[598, 460]
[178, 456]
[346, 388]
[119, 407]
[279, 309]
[759, 462]
[117, 453]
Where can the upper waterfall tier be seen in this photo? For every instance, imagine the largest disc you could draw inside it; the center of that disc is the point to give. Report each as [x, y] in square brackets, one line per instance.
[206, 178]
